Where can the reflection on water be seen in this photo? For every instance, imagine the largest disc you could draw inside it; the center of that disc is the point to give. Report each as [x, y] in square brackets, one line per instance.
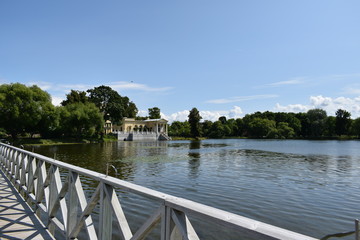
[194, 159]
[311, 187]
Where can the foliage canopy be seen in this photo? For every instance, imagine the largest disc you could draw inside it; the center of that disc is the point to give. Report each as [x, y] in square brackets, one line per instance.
[25, 109]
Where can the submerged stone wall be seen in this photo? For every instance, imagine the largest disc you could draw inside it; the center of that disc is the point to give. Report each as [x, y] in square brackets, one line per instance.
[150, 136]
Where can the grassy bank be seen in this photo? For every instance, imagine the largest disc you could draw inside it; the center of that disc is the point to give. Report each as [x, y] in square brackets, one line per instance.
[59, 141]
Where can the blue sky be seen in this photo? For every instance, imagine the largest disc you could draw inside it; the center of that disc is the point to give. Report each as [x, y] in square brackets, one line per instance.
[223, 57]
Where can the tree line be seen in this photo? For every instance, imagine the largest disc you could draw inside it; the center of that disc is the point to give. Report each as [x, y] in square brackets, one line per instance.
[29, 111]
[274, 125]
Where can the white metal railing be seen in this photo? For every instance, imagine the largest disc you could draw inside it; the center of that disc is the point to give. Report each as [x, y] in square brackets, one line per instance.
[63, 204]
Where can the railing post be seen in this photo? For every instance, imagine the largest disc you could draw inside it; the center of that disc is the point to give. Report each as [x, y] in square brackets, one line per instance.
[73, 205]
[23, 173]
[105, 228]
[169, 231]
[164, 222]
[31, 178]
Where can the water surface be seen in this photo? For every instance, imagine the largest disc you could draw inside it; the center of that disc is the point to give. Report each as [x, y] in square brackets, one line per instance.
[311, 187]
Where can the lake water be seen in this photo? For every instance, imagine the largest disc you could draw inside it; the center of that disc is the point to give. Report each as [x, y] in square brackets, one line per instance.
[311, 187]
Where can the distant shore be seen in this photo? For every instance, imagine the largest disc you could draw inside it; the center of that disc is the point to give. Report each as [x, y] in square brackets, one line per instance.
[64, 141]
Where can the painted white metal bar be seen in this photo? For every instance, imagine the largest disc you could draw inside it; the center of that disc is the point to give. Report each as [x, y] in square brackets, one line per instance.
[76, 223]
[183, 224]
[89, 225]
[73, 205]
[149, 225]
[116, 208]
[106, 216]
[242, 224]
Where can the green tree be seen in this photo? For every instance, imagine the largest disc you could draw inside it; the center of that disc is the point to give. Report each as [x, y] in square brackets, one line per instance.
[194, 120]
[261, 128]
[355, 127]
[232, 125]
[75, 97]
[154, 113]
[131, 110]
[179, 129]
[222, 119]
[317, 118]
[284, 130]
[24, 109]
[217, 130]
[81, 120]
[343, 122]
[111, 104]
[239, 127]
[206, 126]
[330, 124]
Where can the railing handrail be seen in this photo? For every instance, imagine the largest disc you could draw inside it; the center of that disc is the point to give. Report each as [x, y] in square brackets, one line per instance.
[175, 208]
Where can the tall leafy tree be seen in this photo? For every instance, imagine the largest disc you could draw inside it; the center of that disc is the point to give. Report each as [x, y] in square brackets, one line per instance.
[206, 127]
[131, 110]
[317, 120]
[217, 130]
[154, 113]
[24, 109]
[330, 126]
[75, 97]
[194, 121]
[111, 104]
[284, 130]
[355, 128]
[181, 129]
[343, 122]
[81, 120]
[222, 119]
[262, 127]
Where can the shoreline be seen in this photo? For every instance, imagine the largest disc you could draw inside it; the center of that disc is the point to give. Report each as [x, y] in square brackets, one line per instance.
[68, 141]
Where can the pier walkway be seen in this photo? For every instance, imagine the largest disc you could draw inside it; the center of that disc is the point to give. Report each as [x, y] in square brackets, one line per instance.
[17, 220]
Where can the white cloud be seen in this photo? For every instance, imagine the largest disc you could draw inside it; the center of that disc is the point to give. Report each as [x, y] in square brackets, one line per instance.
[213, 116]
[118, 86]
[292, 108]
[241, 98]
[317, 80]
[43, 85]
[136, 86]
[178, 116]
[142, 113]
[57, 100]
[320, 101]
[353, 89]
[289, 82]
[330, 105]
[236, 112]
[58, 91]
